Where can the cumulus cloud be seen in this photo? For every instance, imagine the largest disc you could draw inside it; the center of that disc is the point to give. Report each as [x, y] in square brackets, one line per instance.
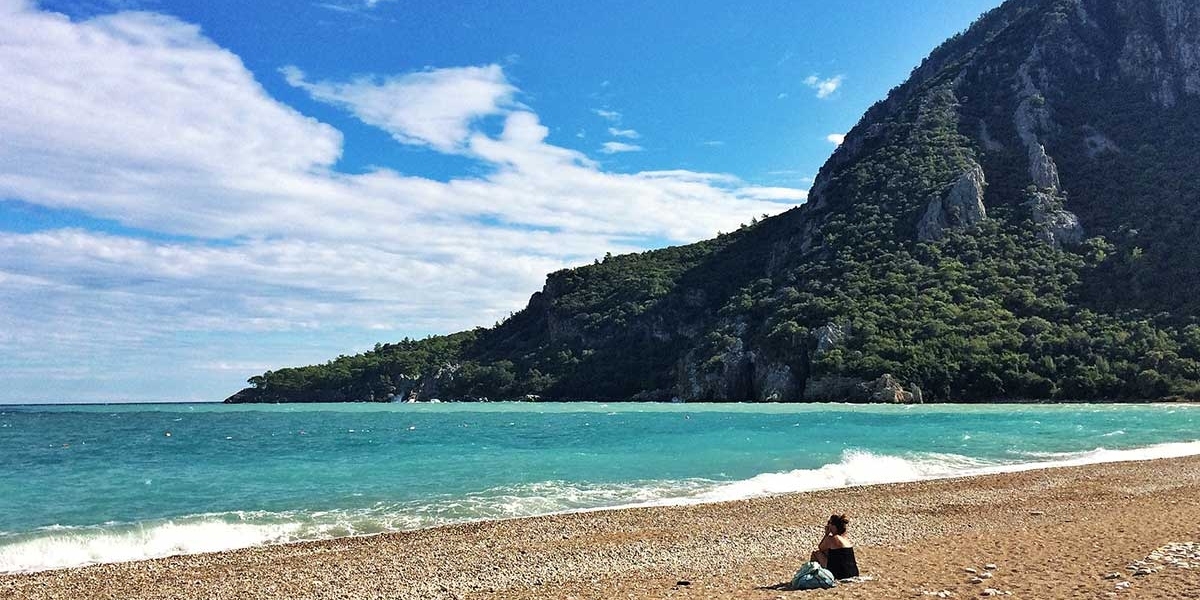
[825, 87]
[775, 193]
[618, 147]
[233, 219]
[625, 133]
[435, 107]
[836, 138]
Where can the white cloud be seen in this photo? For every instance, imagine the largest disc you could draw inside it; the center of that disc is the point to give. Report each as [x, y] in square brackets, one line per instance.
[781, 96]
[776, 194]
[618, 147]
[625, 133]
[352, 6]
[712, 143]
[836, 138]
[435, 107]
[825, 87]
[274, 239]
[611, 116]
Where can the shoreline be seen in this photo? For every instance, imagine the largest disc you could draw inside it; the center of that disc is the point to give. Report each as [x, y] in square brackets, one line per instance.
[996, 401]
[596, 553]
[1097, 456]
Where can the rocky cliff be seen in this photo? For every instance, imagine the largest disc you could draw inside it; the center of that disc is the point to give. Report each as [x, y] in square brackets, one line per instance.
[1014, 221]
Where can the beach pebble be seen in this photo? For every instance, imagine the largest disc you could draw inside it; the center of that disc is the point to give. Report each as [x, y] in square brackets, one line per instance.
[975, 580]
[1037, 513]
[990, 592]
[990, 566]
[1113, 576]
[970, 570]
[1123, 585]
[986, 575]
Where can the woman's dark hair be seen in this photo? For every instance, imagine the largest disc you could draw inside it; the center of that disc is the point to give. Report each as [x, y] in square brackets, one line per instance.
[839, 522]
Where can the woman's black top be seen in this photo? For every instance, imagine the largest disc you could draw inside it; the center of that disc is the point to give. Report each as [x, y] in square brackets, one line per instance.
[842, 563]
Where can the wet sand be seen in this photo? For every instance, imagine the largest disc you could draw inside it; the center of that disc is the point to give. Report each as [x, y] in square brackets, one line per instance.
[1052, 533]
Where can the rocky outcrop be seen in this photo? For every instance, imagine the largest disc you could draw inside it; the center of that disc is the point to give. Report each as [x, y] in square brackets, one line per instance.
[739, 373]
[960, 208]
[889, 390]
[1032, 117]
[775, 382]
[886, 389]
[1162, 52]
[1056, 226]
[830, 336]
[735, 375]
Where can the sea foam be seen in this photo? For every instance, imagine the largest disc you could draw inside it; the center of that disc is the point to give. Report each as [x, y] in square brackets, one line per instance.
[61, 547]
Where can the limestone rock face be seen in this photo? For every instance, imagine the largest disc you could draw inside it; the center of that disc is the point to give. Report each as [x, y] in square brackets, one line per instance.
[774, 382]
[1162, 52]
[889, 390]
[830, 336]
[1056, 226]
[738, 375]
[886, 389]
[962, 207]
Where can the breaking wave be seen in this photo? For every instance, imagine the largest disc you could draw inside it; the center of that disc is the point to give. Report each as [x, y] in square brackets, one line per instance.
[62, 547]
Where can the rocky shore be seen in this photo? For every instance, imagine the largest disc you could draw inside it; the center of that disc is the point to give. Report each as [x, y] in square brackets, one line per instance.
[1122, 530]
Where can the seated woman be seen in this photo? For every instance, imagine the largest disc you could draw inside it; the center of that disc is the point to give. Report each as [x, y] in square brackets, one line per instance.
[836, 551]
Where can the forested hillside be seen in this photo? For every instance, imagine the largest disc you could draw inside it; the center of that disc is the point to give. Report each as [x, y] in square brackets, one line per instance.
[1016, 221]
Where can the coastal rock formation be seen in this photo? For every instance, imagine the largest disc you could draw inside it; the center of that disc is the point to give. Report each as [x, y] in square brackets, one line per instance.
[884, 390]
[1014, 221]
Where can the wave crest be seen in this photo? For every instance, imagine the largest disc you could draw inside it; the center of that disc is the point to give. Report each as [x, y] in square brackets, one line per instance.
[62, 547]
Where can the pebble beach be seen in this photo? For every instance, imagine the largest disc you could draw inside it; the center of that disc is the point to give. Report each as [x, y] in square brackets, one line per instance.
[1115, 530]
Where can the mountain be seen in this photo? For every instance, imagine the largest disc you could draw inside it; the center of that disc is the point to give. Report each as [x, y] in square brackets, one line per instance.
[1016, 221]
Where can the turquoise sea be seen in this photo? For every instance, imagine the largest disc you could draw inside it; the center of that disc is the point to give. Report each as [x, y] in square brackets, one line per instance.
[84, 484]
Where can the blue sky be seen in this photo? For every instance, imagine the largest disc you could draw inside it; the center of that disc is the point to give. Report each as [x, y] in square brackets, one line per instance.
[193, 192]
